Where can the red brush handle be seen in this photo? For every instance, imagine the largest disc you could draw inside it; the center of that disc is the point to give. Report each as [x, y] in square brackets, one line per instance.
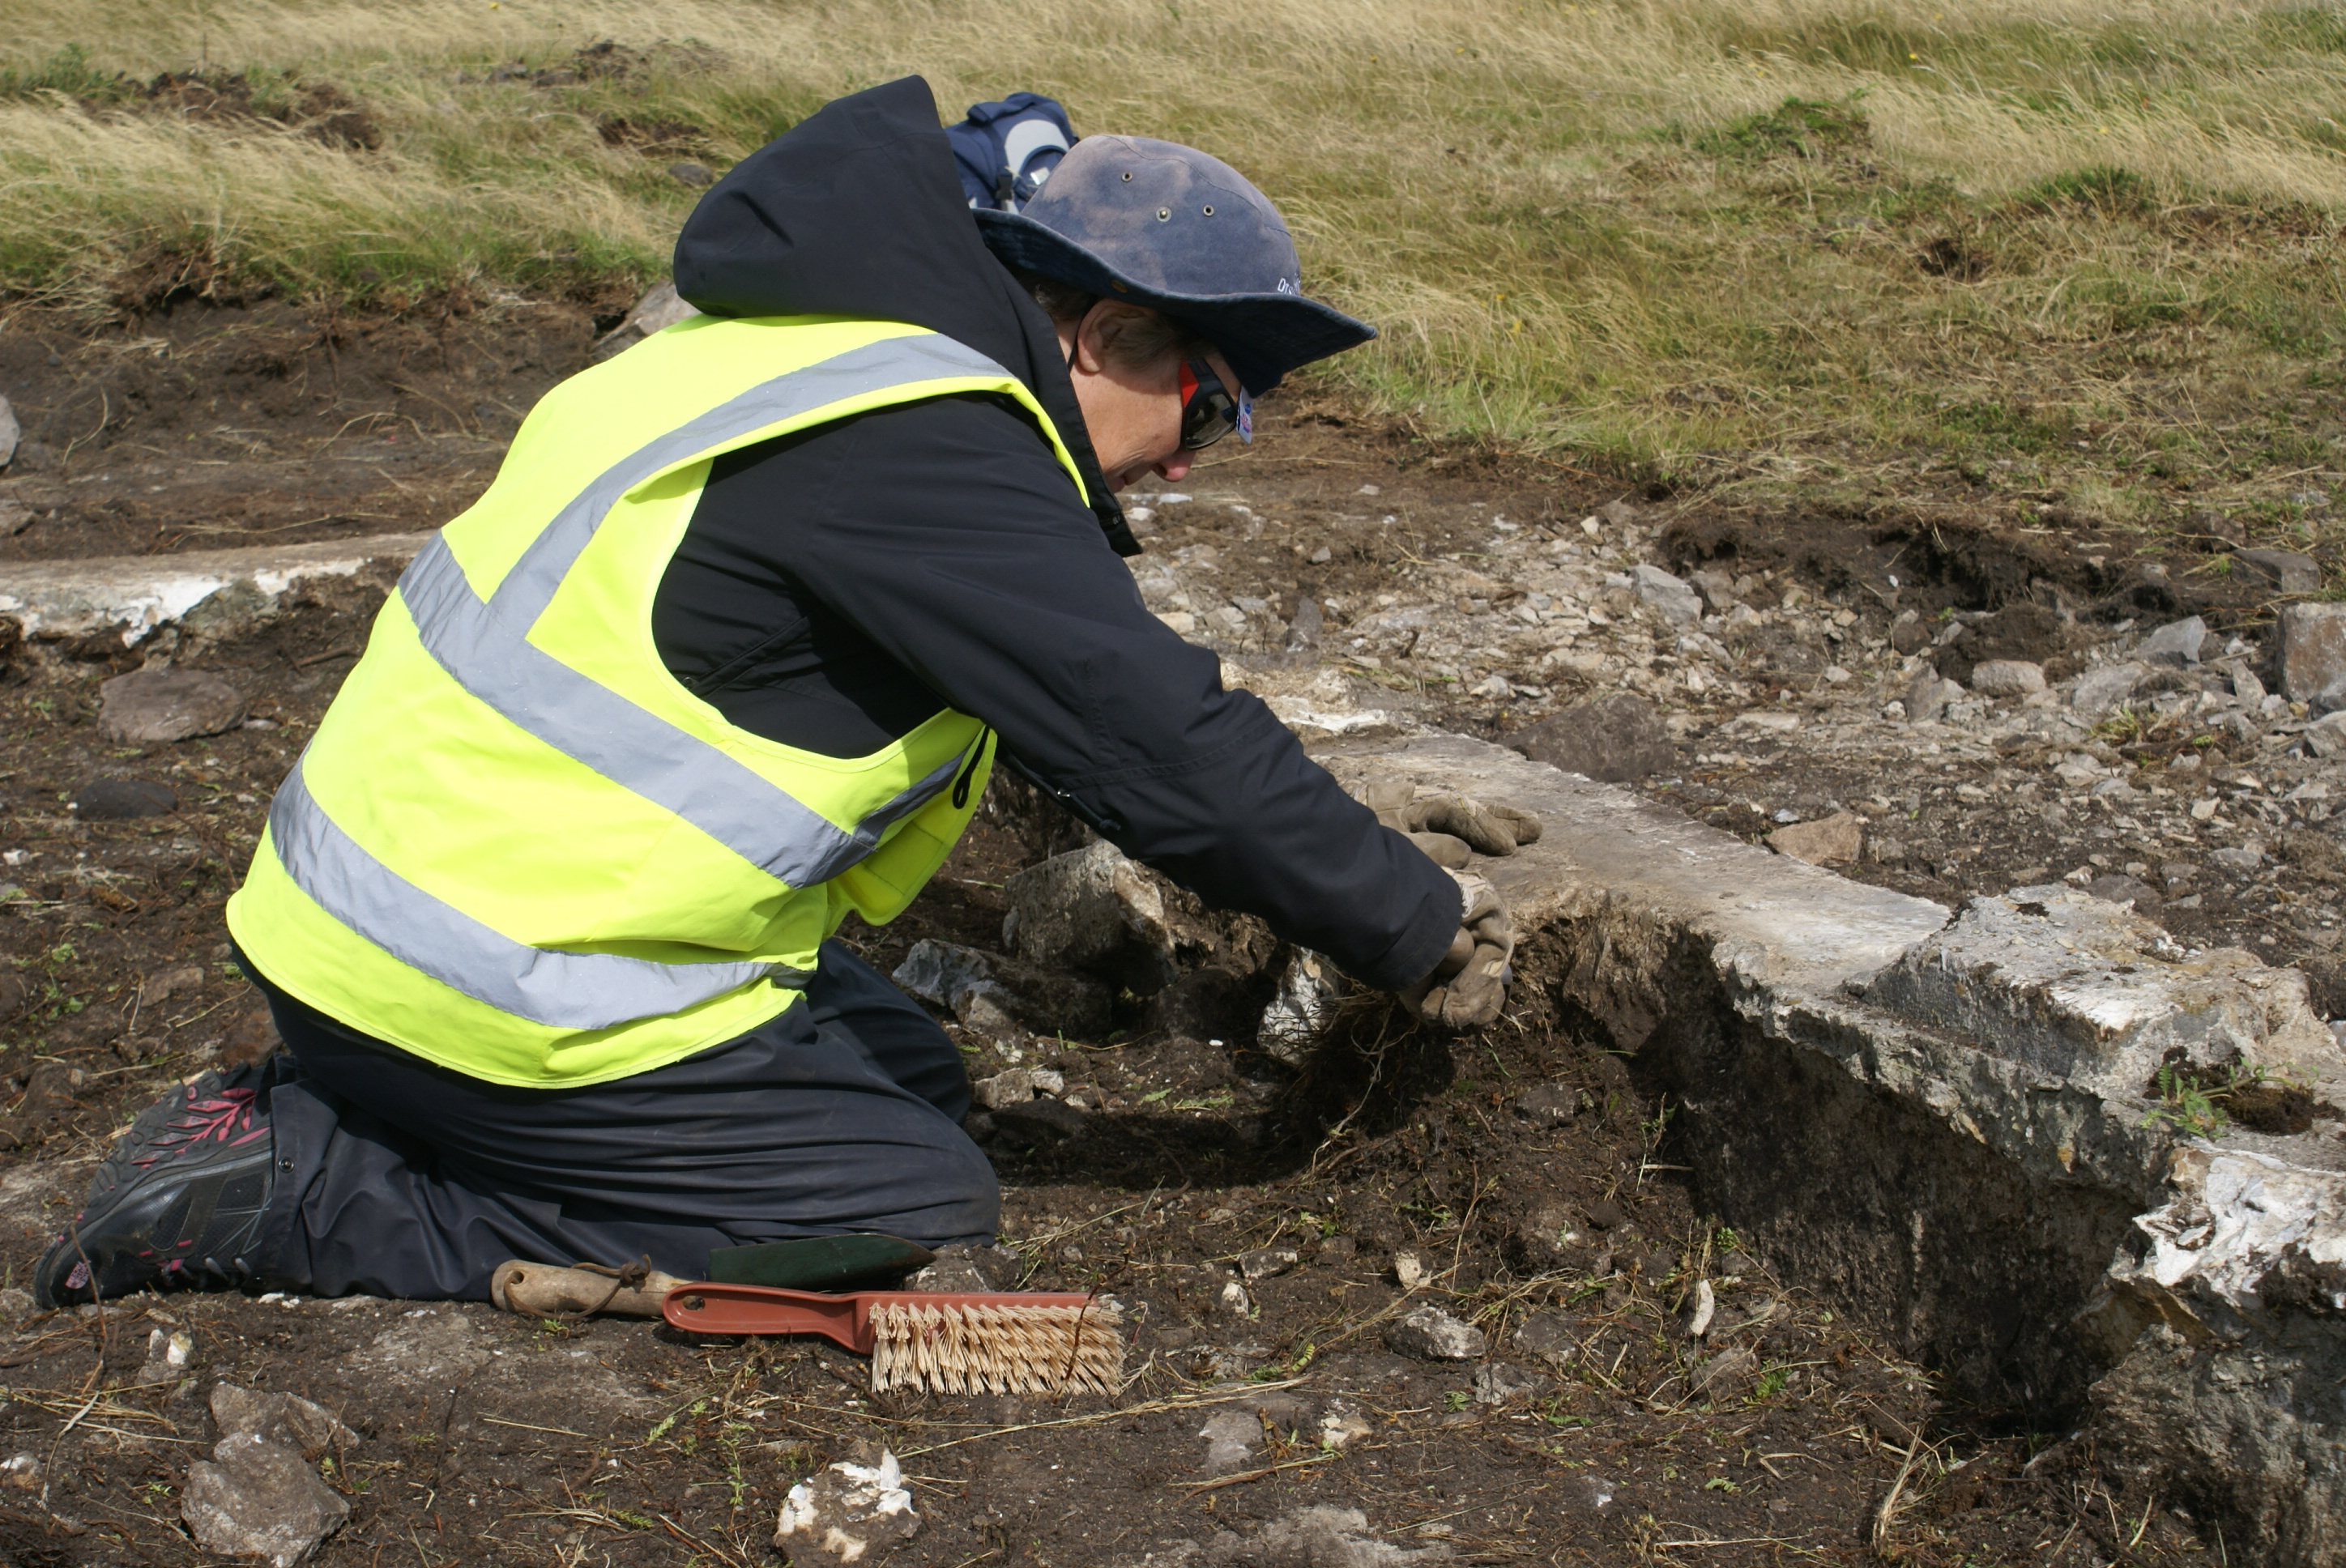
[713, 1308]
[845, 1320]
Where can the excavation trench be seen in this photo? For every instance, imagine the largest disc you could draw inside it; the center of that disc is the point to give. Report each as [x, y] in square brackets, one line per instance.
[1948, 1125]
[1941, 1124]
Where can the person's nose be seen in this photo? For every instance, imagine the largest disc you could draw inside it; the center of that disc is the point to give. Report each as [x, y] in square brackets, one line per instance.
[1176, 468]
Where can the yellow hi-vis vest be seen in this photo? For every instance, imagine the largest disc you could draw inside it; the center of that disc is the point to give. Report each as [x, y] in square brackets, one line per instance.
[517, 846]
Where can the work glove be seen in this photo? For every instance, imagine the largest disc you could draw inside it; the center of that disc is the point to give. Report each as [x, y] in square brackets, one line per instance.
[1467, 823]
[1469, 986]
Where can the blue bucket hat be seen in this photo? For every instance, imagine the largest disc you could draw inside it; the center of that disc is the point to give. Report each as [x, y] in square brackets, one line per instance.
[1162, 225]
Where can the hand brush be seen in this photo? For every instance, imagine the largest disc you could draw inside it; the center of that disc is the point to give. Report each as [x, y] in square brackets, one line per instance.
[1006, 1342]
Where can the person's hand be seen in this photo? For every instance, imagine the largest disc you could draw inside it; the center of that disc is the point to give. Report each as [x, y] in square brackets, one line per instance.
[1469, 986]
[1466, 823]
[1488, 827]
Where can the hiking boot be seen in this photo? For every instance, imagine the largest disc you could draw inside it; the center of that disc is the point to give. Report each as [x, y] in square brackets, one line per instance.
[179, 1201]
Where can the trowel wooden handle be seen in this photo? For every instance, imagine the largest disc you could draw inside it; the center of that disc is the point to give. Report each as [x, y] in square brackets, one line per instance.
[545, 1290]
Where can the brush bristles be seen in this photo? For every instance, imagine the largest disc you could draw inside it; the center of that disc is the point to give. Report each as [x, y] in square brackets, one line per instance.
[997, 1350]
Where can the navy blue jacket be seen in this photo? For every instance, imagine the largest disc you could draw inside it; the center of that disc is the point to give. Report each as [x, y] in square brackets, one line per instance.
[837, 588]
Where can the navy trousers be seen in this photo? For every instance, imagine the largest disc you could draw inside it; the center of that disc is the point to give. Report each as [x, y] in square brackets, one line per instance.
[397, 1177]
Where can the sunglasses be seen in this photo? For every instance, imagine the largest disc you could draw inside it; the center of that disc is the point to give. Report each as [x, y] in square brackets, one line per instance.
[1209, 408]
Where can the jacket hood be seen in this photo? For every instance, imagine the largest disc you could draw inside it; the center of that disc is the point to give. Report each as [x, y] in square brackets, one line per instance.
[858, 211]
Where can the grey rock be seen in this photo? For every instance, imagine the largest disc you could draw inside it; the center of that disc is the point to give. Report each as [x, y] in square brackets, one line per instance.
[1909, 634]
[1927, 699]
[2069, 985]
[1231, 1437]
[659, 309]
[1016, 1086]
[255, 1499]
[2326, 736]
[1039, 1120]
[699, 175]
[1497, 1383]
[1837, 839]
[288, 1421]
[1303, 630]
[1614, 739]
[1430, 1334]
[2178, 642]
[1550, 1337]
[2105, 686]
[1308, 990]
[1618, 512]
[115, 800]
[178, 981]
[998, 995]
[2007, 677]
[1667, 596]
[154, 706]
[2124, 890]
[2243, 858]
[939, 971]
[982, 1009]
[10, 433]
[1717, 588]
[1264, 1262]
[2312, 652]
[1092, 909]
[2283, 570]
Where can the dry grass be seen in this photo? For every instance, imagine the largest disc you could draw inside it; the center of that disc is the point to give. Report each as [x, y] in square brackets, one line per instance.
[1596, 230]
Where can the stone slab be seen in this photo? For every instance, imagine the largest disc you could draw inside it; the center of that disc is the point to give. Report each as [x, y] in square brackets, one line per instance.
[132, 595]
[2312, 650]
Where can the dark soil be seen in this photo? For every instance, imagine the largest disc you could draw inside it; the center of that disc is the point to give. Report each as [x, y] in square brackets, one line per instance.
[202, 428]
[1524, 1170]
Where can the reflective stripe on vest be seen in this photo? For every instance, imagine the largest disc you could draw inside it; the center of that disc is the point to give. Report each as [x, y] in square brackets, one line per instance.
[561, 990]
[484, 646]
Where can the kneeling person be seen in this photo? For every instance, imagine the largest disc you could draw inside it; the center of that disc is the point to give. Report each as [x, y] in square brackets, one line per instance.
[545, 913]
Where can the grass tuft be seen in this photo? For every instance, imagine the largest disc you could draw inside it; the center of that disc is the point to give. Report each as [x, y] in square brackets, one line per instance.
[1796, 126]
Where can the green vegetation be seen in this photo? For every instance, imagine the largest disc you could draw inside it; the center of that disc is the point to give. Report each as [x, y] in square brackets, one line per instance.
[2047, 252]
[2192, 1099]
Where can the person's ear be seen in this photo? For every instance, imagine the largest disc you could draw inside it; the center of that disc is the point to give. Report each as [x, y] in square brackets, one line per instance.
[1090, 355]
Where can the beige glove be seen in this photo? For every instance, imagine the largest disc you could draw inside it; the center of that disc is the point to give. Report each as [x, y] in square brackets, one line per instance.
[1466, 822]
[1469, 986]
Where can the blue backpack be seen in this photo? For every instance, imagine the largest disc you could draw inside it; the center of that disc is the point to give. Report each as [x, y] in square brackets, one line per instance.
[1004, 151]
